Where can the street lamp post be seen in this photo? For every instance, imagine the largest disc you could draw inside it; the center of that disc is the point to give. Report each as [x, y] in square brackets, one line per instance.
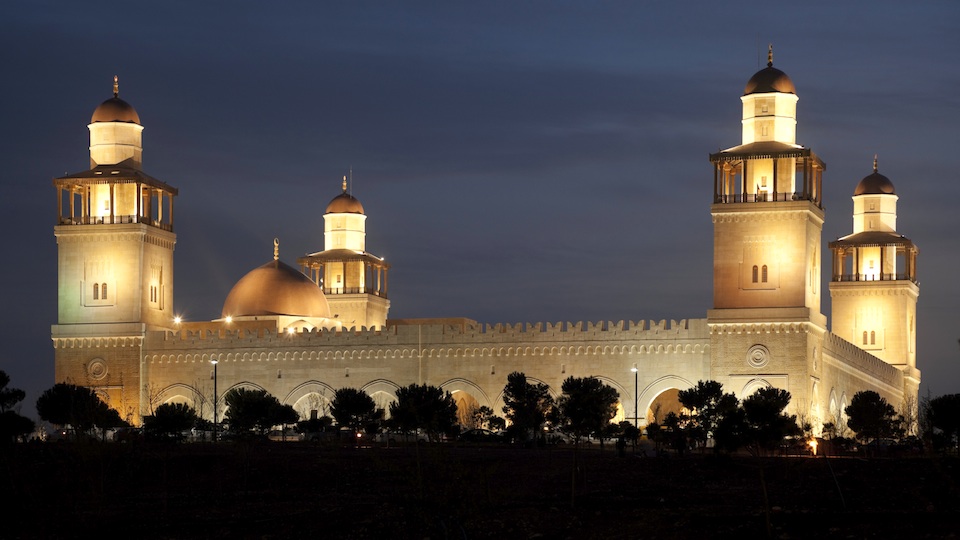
[636, 398]
[214, 362]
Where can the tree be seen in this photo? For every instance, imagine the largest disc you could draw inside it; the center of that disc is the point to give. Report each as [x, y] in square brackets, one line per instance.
[483, 417]
[870, 416]
[707, 405]
[355, 409]
[170, 420]
[586, 406]
[525, 405]
[424, 407]
[767, 424]
[12, 425]
[78, 406]
[672, 432]
[944, 412]
[256, 411]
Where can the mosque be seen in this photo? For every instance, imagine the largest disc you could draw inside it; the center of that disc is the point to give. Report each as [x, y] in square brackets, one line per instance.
[301, 334]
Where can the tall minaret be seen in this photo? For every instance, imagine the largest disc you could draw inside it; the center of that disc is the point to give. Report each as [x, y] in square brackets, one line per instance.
[874, 286]
[767, 217]
[353, 280]
[115, 244]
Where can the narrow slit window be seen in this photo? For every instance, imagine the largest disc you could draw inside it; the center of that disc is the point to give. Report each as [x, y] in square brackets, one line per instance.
[103, 291]
[763, 274]
[755, 271]
[96, 291]
[864, 337]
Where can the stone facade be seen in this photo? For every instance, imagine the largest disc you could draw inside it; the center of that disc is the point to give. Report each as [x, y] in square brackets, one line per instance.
[765, 328]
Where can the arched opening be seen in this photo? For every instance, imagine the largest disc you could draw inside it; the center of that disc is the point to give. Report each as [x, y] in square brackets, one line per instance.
[383, 400]
[620, 416]
[312, 405]
[665, 403]
[467, 405]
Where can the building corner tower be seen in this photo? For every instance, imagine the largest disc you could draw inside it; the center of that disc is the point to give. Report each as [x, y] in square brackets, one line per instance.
[766, 326]
[874, 288]
[115, 245]
[353, 280]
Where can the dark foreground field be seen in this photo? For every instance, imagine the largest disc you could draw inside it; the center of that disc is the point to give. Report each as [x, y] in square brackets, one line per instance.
[296, 490]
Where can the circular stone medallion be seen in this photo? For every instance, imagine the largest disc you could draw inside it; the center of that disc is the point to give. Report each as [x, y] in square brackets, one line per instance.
[758, 356]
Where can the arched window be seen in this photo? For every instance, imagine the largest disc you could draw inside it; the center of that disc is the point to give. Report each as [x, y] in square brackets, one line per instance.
[873, 337]
[864, 337]
[763, 272]
[96, 291]
[755, 270]
[103, 291]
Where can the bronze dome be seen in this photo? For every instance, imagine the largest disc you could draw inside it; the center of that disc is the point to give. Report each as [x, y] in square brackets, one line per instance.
[115, 110]
[275, 289]
[769, 79]
[875, 184]
[345, 203]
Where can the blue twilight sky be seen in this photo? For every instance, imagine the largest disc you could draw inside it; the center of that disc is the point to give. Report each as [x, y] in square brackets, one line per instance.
[518, 161]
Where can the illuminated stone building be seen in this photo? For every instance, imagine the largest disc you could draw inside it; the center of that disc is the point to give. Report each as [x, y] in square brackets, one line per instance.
[301, 336]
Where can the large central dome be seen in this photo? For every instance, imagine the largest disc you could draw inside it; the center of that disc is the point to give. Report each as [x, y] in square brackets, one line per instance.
[275, 289]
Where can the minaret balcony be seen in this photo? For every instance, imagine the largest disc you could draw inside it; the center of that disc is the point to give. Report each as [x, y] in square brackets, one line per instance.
[875, 277]
[720, 198]
[354, 290]
[114, 220]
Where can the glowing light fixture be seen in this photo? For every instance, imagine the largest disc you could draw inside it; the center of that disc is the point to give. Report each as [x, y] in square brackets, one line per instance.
[177, 320]
[229, 319]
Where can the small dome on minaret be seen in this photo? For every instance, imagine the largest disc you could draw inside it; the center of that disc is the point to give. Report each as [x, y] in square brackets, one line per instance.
[769, 79]
[344, 203]
[875, 184]
[115, 109]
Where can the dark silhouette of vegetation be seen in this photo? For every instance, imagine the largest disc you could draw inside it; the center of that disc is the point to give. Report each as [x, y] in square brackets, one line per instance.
[483, 417]
[354, 409]
[871, 417]
[671, 433]
[314, 425]
[255, 411]
[708, 406]
[586, 407]
[525, 405]
[424, 407]
[13, 427]
[77, 406]
[944, 421]
[766, 423]
[170, 420]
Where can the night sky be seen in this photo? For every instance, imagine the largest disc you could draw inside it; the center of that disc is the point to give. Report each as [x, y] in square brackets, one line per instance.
[517, 161]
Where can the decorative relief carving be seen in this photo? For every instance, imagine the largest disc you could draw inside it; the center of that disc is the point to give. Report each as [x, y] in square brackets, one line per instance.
[97, 369]
[758, 356]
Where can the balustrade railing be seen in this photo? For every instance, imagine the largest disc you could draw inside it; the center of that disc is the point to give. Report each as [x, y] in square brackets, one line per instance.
[114, 220]
[873, 277]
[353, 290]
[761, 197]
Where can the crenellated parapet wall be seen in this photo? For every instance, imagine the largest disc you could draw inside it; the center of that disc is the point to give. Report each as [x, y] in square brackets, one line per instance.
[853, 360]
[431, 341]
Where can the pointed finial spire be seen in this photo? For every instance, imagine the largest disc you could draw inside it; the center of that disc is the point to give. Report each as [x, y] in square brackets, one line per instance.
[344, 183]
[875, 163]
[276, 249]
[116, 86]
[770, 55]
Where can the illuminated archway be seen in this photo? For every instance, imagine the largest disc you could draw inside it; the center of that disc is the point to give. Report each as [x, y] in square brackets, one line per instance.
[665, 403]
